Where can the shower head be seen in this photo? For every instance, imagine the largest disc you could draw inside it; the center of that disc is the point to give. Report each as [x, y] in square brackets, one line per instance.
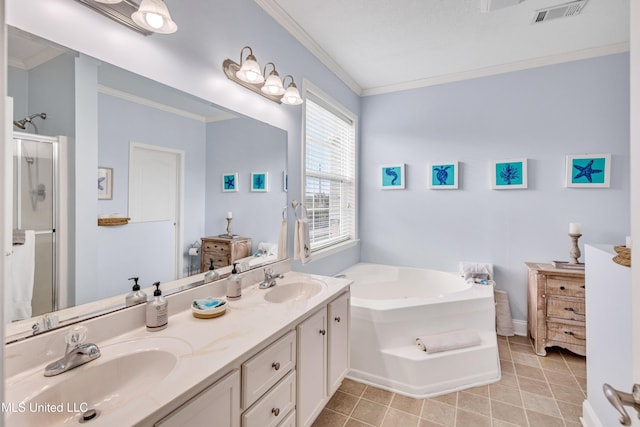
[22, 124]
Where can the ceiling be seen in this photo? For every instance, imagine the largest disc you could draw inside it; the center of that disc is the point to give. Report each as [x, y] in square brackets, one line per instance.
[378, 46]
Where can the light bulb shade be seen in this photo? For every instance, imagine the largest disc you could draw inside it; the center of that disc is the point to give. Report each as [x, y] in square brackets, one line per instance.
[108, 1]
[273, 85]
[153, 15]
[292, 96]
[250, 71]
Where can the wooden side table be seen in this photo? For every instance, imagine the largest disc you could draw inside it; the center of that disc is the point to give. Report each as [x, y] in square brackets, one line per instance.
[223, 250]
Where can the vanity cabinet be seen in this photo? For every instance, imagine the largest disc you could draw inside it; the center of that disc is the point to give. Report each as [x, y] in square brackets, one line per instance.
[218, 405]
[556, 308]
[323, 358]
[223, 250]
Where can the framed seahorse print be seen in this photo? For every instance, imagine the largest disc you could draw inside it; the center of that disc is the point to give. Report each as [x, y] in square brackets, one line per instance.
[392, 177]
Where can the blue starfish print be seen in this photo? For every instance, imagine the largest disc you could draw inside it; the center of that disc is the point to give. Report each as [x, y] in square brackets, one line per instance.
[586, 171]
[229, 182]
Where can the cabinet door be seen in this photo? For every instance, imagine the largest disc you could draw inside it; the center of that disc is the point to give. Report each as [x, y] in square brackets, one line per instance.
[311, 367]
[219, 406]
[338, 351]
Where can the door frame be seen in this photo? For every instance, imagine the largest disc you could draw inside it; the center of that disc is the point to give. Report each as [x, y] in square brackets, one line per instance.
[179, 226]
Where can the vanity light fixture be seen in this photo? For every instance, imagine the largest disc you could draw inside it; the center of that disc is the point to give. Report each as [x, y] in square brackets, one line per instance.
[153, 15]
[248, 74]
[108, 1]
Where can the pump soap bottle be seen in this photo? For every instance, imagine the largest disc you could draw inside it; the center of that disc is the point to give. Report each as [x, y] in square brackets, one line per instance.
[234, 284]
[157, 311]
[136, 296]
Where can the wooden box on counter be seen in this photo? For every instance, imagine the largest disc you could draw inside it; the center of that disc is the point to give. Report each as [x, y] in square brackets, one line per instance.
[223, 250]
[556, 308]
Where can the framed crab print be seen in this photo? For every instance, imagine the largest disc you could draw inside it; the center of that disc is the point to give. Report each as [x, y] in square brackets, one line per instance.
[509, 174]
[392, 177]
[588, 170]
[443, 176]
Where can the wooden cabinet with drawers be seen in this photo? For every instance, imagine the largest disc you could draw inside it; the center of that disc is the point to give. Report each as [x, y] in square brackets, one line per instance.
[223, 250]
[556, 309]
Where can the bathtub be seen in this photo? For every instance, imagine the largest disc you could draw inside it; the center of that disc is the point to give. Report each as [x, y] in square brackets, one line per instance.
[391, 306]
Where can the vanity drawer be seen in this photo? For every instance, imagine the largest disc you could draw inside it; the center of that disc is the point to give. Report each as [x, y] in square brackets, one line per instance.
[266, 368]
[565, 309]
[562, 332]
[274, 407]
[561, 286]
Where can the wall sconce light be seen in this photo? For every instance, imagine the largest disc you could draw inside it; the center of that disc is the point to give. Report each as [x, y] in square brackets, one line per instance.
[151, 16]
[248, 74]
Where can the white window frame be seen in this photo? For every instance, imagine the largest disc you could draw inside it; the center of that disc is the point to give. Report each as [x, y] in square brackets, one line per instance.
[320, 97]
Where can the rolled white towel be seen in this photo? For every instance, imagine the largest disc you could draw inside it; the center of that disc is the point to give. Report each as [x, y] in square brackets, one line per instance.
[448, 340]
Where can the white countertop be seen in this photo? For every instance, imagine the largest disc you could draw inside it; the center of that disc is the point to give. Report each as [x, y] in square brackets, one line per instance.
[217, 345]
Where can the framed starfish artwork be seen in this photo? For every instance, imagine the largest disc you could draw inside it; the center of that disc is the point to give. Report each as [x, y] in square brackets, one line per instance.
[509, 174]
[105, 183]
[392, 177]
[229, 182]
[588, 170]
[259, 182]
[443, 176]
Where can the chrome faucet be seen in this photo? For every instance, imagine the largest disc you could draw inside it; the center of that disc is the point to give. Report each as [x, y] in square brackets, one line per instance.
[269, 278]
[77, 353]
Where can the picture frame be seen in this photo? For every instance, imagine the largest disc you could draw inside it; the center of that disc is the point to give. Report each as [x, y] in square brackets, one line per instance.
[510, 174]
[105, 183]
[443, 176]
[392, 176]
[259, 182]
[230, 182]
[588, 170]
[285, 181]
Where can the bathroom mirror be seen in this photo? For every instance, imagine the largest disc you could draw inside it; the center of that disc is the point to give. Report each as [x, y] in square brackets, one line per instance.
[177, 165]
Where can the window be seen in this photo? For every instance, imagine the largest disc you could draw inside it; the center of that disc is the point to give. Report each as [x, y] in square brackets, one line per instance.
[329, 171]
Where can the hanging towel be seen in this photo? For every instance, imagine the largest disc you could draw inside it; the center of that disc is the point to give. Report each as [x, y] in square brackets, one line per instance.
[18, 237]
[504, 321]
[301, 245]
[282, 240]
[468, 269]
[22, 275]
[448, 341]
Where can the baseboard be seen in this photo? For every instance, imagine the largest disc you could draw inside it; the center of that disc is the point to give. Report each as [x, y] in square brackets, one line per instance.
[589, 417]
[520, 327]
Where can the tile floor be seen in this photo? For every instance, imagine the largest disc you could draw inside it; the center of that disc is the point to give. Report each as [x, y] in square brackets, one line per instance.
[533, 392]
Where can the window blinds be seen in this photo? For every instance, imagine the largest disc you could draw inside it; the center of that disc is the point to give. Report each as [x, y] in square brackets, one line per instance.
[330, 172]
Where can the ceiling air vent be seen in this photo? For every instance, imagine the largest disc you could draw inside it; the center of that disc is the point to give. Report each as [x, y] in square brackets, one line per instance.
[559, 11]
[119, 12]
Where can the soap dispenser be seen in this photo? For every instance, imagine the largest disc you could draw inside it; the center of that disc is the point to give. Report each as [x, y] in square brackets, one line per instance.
[136, 296]
[234, 284]
[211, 275]
[157, 311]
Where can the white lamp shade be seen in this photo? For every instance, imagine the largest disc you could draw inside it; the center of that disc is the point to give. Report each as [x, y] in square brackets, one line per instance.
[292, 96]
[153, 15]
[273, 85]
[108, 1]
[250, 71]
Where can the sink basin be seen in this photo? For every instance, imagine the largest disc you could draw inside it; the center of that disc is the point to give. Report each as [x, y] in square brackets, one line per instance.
[124, 371]
[294, 291]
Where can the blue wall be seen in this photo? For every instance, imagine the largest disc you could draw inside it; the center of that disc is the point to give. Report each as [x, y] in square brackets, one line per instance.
[542, 114]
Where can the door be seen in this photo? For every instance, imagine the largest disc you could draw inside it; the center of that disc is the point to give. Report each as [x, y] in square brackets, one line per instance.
[155, 190]
[311, 367]
[338, 325]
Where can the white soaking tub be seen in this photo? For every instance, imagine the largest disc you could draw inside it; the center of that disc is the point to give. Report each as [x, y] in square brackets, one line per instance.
[391, 306]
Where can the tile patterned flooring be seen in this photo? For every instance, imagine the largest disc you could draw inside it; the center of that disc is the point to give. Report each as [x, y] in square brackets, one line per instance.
[533, 392]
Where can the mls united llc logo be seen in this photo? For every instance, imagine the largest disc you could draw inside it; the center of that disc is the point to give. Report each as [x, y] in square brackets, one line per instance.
[22, 407]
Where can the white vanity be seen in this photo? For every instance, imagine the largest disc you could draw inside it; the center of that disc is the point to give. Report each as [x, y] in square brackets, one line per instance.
[261, 364]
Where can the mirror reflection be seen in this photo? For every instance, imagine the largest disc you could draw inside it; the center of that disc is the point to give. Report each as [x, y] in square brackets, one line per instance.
[117, 176]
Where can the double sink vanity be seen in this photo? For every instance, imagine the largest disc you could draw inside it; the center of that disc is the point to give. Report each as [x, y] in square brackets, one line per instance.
[273, 359]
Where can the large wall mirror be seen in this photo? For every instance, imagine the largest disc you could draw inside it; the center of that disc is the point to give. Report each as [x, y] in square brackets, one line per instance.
[177, 165]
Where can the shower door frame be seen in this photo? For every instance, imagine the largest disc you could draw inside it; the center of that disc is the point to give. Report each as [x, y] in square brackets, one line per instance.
[59, 298]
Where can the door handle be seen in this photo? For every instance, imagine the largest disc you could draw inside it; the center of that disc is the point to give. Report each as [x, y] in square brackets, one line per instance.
[620, 399]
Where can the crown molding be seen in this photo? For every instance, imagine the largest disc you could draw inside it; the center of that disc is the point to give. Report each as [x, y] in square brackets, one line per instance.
[501, 69]
[284, 19]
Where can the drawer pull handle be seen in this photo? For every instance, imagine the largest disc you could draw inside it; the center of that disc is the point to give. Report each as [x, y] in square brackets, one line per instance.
[574, 335]
[275, 411]
[275, 365]
[562, 288]
[322, 331]
[582, 286]
[573, 310]
[337, 319]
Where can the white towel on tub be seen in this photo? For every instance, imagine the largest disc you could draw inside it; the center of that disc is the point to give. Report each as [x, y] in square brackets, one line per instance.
[451, 340]
[467, 269]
